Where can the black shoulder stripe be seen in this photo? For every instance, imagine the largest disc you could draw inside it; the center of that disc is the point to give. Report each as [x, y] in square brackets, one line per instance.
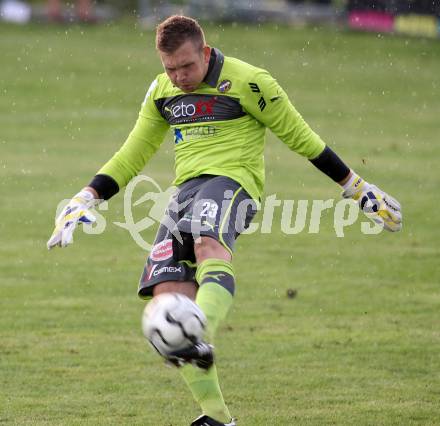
[254, 87]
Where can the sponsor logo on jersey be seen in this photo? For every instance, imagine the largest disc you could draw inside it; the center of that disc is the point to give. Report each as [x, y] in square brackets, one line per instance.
[224, 86]
[188, 110]
[191, 133]
[162, 250]
[178, 136]
[198, 108]
[199, 131]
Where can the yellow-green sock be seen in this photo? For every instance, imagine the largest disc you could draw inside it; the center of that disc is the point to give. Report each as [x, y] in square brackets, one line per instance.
[215, 295]
[206, 391]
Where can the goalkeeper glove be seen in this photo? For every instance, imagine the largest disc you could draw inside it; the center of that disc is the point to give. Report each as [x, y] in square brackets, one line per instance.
[377, 205]
[77, 210]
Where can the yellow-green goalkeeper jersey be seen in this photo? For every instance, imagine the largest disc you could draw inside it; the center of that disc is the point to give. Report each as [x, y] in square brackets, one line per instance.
[219, 129]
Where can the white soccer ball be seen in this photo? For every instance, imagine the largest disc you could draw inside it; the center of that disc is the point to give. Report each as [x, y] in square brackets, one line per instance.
[172, 321]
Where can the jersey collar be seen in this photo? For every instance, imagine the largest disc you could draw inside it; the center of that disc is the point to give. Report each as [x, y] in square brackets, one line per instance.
[215, 67]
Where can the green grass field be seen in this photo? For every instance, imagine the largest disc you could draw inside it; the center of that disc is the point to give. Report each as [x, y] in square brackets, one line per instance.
[359, 345]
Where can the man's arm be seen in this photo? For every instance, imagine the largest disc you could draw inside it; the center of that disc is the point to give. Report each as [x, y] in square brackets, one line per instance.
[330, 164]
[380, 207]
[141, 144]
[264, 99]
[269, 104]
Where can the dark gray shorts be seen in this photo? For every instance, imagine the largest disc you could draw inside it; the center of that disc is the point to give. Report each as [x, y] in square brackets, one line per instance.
[213, 206]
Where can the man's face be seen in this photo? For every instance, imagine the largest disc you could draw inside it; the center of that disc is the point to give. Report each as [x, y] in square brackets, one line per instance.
[187, 66]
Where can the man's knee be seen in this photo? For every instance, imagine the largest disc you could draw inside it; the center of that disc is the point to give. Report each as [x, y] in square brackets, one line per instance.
[188, 288]
[209, 248]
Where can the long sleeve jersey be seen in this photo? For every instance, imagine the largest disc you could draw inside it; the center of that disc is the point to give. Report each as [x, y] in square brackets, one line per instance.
[219, 129]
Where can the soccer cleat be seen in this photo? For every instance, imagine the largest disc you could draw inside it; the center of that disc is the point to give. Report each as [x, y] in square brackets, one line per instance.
[201, 355]
[205, 420]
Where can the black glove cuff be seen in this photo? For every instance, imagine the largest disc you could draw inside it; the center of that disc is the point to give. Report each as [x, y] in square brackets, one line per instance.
[105, 186]
[330, 164]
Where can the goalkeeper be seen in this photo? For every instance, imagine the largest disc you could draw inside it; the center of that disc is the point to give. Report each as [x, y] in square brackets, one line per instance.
[218, 108]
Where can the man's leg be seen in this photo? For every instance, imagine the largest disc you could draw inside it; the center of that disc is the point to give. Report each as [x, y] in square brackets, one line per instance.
[218, 213]
[216, 280]
[188, 288]
[157, 278]
[204, 385]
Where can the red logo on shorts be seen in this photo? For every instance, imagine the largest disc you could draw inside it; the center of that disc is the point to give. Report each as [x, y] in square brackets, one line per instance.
[162, 251]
